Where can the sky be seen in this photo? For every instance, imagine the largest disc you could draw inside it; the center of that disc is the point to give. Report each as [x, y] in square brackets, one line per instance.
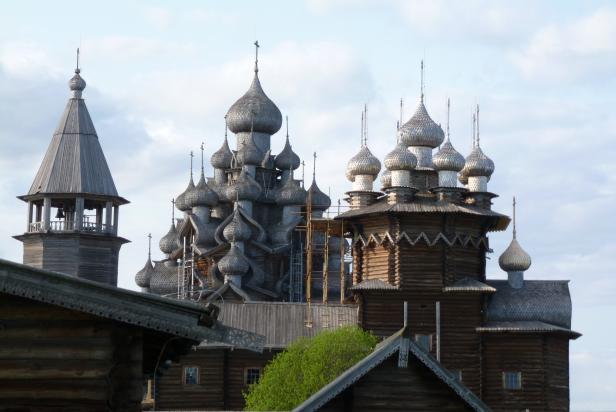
[161, 76]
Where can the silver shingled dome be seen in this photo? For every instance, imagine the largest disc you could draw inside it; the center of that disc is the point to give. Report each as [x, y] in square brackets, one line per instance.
[249, 153]
[233, 263]
[291, 193]
[168, 243]
[181, 201]
[245, 188]
[77, 83]
[142, 278]
[363, 163]
[478, 164]
[421, 130]
[201, 195]
[236, 229]
[448, 158]
[287, 159]
[221, 159]
[400, 159]
[254, 106]
[319, 200]
[514, 258]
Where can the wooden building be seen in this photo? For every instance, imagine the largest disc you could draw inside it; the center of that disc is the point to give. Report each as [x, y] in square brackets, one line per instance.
[69, 344]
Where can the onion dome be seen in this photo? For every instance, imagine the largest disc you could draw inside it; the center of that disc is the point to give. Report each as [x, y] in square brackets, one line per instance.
[254, 108]
[77, 84]
[249, 153]
[363, 163]
[291, 193]
[237, 229]
[478, 164]
[245, 188]
[400, 159]
[233, 263]
[201, 195]
[142, 278]
[386, 179]
[514, 258]
[448, 158]
[287, 159]
[181, 201]
[421, 130]
[319, 200]
[164, 280]
[168, 243]
[221, 159]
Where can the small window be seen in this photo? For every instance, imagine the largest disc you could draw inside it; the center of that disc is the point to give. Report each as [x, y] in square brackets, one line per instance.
[252, 375]
[512, 380]
[424, 341]
[191, 375]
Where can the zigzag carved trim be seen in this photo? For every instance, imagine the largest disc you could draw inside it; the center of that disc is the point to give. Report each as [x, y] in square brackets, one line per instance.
[376, 239]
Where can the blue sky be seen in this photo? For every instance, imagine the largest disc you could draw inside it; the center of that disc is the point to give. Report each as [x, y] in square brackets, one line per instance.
[161, 76]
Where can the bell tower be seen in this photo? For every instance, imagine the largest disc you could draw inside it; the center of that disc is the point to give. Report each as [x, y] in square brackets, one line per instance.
[73, 204]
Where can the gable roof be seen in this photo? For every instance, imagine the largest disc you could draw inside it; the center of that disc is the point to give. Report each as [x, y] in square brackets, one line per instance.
[178, 318]
[74, 162]
[402, 343]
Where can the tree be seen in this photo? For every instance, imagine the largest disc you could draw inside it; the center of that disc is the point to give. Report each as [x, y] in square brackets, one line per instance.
[306, 366]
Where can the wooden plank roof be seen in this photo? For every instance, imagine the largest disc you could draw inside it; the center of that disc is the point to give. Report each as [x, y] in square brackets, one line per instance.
[74, 162]
[400, 343]
[177, 318]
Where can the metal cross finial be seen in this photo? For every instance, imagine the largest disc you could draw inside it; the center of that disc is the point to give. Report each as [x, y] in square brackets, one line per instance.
[361, 140]
[448, 110]
[477, 125]
[401, 110]
[256, 56]
[173, 211]
[314, 166]
[77, 70]
[514, 228]
[202, 149]
[303, 171]
[287, 120]
[191, 163]
[365, 124]
[422, 80]
[474, 125]
[226, 127]
[149, 246]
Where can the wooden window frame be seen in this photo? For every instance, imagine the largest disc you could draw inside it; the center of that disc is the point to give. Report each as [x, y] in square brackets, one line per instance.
[184, 369]
[247, 368]
[519, 380]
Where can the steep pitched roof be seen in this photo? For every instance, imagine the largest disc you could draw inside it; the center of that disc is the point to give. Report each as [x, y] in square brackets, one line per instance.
[74, 161]
[401, 343]
[183, 319]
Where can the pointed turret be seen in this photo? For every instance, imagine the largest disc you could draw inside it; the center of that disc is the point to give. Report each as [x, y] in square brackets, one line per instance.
[514, 260]
[73, 179]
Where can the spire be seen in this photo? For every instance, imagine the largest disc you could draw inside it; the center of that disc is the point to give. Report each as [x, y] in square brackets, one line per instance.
[422, 80]
[314, 166]
[477, 116]
[202, 163]
[172, 212]
[474, 129]
[303, 174]
[191, 164]
[401, 112]
[514, 228]
[149, 242]
[77, 65]
[448, 110]
[365, 124]
[287, 121]
[256, 56]
[362, 130]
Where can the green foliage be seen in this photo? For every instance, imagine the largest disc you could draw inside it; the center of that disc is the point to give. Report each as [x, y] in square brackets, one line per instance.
[306, 366]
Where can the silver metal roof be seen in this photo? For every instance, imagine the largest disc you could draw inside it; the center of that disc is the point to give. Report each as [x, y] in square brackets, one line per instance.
[168, 243]
[256, 109]
[514, 258]
[181, 202]
[478, 164]
[237, 229]
[233, 263]
[74, 161]
[537, 300]
[143, 277]
[421, 130]
[245, 188]
[221, 159]
[201, 195]
[467, 284]
[448, 158]
[249, 153]
[291, 193]
[386, 179]
[164, 280]
[400, 159]
[320, 201]
[287, 159]
[363, 163]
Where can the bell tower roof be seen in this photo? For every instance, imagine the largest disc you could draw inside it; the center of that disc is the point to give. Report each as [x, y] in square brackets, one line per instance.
[74, 162]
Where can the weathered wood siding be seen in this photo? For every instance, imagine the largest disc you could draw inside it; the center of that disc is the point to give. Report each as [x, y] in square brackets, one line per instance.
[54, 359]
[389, 388]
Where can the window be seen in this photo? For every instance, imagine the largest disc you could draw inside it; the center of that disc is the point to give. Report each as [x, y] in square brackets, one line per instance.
[191, 375]
[424, 341]
[251, 375]
[512, 380]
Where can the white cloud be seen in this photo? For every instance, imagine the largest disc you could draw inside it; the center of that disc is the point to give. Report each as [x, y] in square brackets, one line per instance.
[583, 48]
[158, 17]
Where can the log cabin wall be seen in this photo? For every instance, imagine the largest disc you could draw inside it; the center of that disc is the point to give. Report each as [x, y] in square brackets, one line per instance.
[221, 379]
[515, 353]
[556, 354]
[54, 359]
